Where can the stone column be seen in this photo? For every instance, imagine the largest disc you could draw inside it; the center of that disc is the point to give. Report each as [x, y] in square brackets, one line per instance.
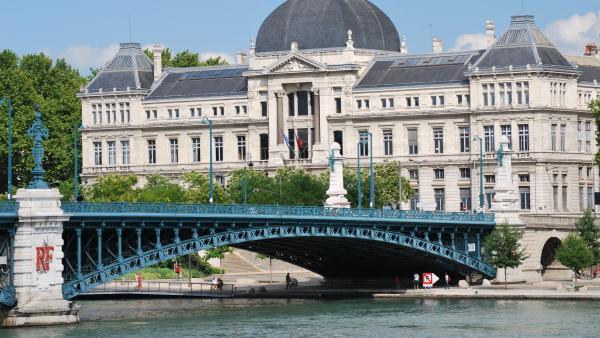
[506, 201]
[38, 280]
[279, 95]
[337, 193]
[317, 118]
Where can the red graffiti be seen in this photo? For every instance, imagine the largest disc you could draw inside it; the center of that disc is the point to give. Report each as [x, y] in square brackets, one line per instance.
[44, 257]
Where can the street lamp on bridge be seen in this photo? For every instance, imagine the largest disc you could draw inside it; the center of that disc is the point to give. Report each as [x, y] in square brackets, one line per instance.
[75, 163]
[247, 163]
[359, 145]
[477, 138]
[10, 135]
[206, 120]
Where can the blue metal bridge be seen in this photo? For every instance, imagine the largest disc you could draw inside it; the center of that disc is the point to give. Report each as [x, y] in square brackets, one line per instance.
[104, 241]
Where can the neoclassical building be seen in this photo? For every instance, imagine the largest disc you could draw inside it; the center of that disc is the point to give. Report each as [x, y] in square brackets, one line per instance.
[324, 71]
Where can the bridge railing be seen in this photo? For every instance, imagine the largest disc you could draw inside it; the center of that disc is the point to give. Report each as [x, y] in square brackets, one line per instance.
[178, 288]
[9, 207]
[269, 210]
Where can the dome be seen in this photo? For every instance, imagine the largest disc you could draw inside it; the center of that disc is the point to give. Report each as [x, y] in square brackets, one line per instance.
[316, 24]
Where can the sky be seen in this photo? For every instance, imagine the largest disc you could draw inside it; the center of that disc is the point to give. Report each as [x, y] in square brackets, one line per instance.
[87, 33]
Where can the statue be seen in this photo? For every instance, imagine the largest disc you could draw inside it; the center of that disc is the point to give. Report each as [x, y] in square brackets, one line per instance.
[337, 193]
[38, 132]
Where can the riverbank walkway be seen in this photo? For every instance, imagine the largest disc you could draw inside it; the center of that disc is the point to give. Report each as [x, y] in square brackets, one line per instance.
[167, 288]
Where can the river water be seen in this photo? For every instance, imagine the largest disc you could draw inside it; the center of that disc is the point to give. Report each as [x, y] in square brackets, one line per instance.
[327, 318]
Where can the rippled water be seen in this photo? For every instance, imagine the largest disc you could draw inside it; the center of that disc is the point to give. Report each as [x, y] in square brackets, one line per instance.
[328, 318]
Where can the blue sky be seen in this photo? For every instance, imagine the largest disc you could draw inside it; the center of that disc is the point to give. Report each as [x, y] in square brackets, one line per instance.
[86, 33]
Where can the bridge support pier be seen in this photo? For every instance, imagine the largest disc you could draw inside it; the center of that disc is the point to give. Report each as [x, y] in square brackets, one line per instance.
[38, 263]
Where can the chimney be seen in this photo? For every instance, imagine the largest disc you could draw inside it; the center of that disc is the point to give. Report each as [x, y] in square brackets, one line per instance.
[438, 46]
[591, 49]
[490, 33]
[157, 54]
[241, 58]
[403, 46]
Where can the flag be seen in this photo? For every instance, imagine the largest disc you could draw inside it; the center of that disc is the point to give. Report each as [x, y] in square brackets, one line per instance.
[299, 142]
[286, 140]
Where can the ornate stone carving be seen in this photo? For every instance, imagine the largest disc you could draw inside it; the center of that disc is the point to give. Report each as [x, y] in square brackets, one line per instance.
[294, 65]
[280, 93]
[316, 91]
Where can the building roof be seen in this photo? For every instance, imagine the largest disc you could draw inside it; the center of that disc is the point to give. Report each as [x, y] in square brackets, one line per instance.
[522, 45]
[410, 70]
[589, 66]
[130, 69]
[316, 24]
[200, 82]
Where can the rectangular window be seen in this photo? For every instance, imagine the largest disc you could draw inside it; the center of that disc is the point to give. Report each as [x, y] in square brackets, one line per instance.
[94, 114]
[465, 139]
[414, 200]
[523, 137]
[525, 196]
[416, 101]
[170, 111]
[506, 130]
[241, 146]
[264, 112]
[364, 143]
[590, 198]
[524, 178]
[434, 100]
[264, 147]
[588, 172]
[219, 148]
[98, 153]
[222, 111]
[238, 110]
[465, 173]
[408, 102]
[442, 100]
[489, 141]
[465, 199]
[438, 174]
[192, 112]
[438, 140]
[383, 103]
[564, 197]
[155, 114]
[112, 152]
[302, 143]
[125, 152]
[215, 111]
[440, 199]
[196, 154]
[413, 174]
[388, 145]
[579, 136]
[563, 136]
[338, 105]
[151, 151]
[555, 197]
[413, 141]
[581, 199]
[490, 179]
[148, 115]
[553, 137]
[588, 136]
[489, 197]
[391, 103]
[338, 137]
[174, 150]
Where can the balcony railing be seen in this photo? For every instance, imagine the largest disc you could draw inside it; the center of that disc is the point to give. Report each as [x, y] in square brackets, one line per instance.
[272, 211]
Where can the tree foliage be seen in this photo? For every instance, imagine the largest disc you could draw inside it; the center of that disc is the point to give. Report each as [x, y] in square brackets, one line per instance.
[185, 59]
[594, 107]
[504, 248]
[588, 231]
[575, 254]
[37, 79]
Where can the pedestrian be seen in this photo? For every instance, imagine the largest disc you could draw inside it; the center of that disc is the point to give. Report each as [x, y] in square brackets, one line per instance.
[288, 281]
[447, 279]
[416, 281]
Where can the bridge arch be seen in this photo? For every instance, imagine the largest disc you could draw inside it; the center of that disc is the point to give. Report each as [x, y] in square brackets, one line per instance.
[289, 239]
[548, 256]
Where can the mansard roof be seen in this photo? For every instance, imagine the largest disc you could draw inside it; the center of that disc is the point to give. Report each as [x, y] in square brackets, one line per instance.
[178, 83]
[522, 45]
[411, 70]
[129, 69]
[589, 66]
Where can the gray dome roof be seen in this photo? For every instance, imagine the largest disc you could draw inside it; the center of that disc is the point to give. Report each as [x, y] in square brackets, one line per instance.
[315, 24]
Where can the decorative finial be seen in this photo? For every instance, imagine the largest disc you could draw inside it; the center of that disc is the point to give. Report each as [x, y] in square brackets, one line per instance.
[294, 46]
[349, 41]
[403, 46]
[38, 132]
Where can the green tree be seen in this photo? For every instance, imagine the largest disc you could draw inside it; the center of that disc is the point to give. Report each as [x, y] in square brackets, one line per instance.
[299, 187]
[588, 231]
[197, 189]
[160, 189]
[166, 57]
[112, 188]
[575, 254]
[504, 248]
[386, 185]
[594, 107]
[186, 59]
[261, 188]
[214, 61]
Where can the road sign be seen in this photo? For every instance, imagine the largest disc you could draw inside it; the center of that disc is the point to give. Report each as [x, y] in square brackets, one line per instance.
[429, 279]
[471, 247]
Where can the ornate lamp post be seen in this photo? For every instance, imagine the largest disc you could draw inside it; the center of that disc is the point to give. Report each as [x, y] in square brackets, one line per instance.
[247, 163]
[477, 138]
[75, 163]
[207, 121]
[38, 133]
[9, 171]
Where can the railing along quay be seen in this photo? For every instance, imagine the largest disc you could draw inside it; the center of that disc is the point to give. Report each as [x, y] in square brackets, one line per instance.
[278, 211]
[166, 288]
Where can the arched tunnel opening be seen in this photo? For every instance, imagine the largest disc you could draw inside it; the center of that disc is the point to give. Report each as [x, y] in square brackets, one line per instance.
[352, 262]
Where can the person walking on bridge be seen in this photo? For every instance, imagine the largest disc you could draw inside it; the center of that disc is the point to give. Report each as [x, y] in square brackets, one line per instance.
[288, 281]
[416, 280]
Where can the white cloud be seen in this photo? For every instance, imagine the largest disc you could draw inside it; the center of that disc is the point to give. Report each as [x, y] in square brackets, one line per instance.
[208, 55]
[469, 42]
[572, 34]
[84, 57]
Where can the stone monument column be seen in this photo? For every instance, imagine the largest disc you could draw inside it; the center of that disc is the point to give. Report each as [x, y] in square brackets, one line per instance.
[38, 249]
[506, 200]
[337, 193]
[277, 152]
[319, 149]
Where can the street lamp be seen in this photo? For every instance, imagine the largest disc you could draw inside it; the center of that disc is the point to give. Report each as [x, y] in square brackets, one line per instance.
[477, 138]
[418, 180]
[247, 163]
[206, 120]
[10, 135]
[360, 144]
[75, 163]
[399, 185]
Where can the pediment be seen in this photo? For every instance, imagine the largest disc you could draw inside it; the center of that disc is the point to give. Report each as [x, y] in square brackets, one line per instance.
[295, 63]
